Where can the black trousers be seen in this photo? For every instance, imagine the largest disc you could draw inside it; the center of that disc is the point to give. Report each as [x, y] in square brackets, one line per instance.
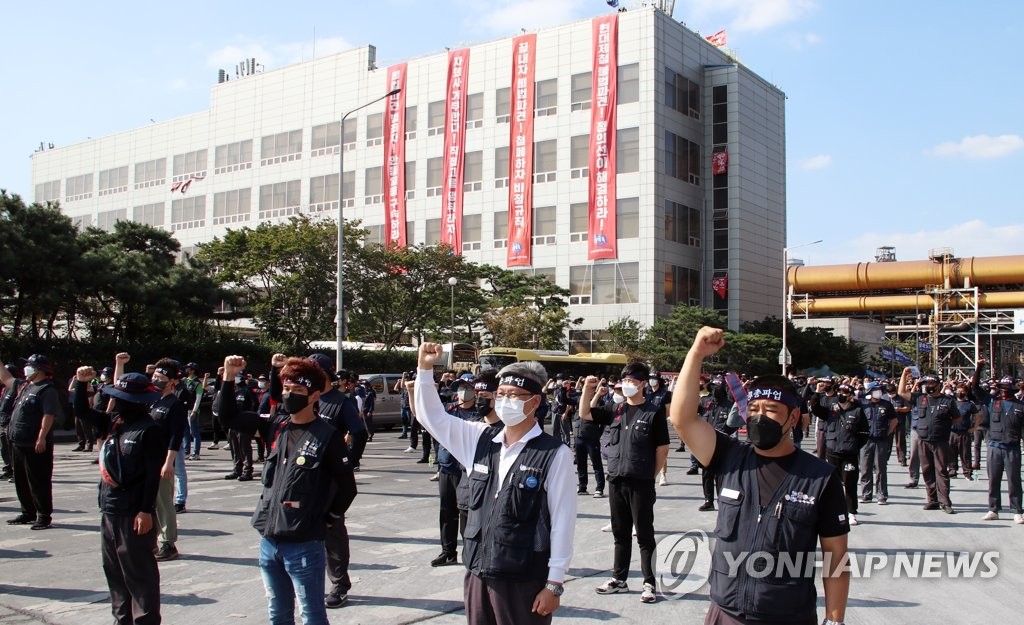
[414, 438]
[84, 433]
[960, 444]
[241, 450]
[450, 521]
[632, 505]
[5, 448]
[850, 472]
[131, 570]
[1000, 461]
[979, 438]
[934, 460]
[338, 555]
[589, 448]
[33, 480]
[501, 602]
[709, 481]
[358, 446]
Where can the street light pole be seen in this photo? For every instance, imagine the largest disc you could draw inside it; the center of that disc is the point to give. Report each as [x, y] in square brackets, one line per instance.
[452, 281]
[339, 333]
[784, 354]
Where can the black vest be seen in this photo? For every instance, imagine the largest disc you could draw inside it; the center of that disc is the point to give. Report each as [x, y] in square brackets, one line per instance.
[935, 417]
[462, 488]
[844, 432]
[630, 446]
[297, 490]
[715, 414]
[1005, 420]
[27, 417]
[7, 400]
[787, 526]
[123, 458]
[878, 414]
[508, 536]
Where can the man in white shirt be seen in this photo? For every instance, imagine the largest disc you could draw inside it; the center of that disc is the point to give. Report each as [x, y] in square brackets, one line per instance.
[522, 506]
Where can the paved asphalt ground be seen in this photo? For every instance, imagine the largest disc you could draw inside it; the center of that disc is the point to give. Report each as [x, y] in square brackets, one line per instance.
[54, 577]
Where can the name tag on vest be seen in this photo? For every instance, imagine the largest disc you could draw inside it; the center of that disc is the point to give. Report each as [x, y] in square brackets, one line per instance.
[730, 493]
[480, 468]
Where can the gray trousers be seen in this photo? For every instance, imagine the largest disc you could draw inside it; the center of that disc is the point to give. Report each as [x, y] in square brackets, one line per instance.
[1000, 460]
[915, 456]
[874, 457]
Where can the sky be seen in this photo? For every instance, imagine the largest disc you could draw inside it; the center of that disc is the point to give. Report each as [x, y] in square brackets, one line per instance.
[903, 119]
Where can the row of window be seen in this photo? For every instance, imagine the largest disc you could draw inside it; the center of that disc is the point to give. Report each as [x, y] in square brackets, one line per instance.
[606, 283]
[720, 194]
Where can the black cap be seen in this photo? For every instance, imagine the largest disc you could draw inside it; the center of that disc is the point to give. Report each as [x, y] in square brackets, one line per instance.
[134, 387]
[325, 362]
[41, 363]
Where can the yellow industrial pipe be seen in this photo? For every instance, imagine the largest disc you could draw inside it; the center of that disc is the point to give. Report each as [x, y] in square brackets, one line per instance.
[915, 274]
[875, 303]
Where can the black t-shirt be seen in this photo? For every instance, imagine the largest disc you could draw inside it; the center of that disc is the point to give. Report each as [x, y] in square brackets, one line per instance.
[832, 511]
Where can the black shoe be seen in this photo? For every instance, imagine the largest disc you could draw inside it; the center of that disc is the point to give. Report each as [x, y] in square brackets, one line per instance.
[80, 447]
[865, 499]
[445, 559]
[42, 523]
[335, 599]
[166, 552]
[912, 484]
[582, 491]
[681, 448]
[245, 477]
[6, 475]
[707, 507]
[692, 471]
[179, 508]
[422, 461]
[932, 506]
[404, 436]
[22, 519]
[945, 508]
[261, 459]
[232, 476]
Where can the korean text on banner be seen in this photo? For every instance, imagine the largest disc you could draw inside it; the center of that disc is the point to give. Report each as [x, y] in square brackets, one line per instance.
[520, 157]
[601, 217]
[394, 158]
[453, 159]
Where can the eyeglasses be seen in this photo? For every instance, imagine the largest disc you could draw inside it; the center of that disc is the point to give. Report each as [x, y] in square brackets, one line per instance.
[513, 396]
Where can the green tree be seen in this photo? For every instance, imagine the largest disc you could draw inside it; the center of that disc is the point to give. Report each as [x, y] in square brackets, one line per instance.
[525, 310]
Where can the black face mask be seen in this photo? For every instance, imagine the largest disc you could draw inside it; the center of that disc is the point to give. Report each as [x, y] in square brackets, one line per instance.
[844, 397]
[930, 389]
[128, 410]
[483, 406]
[294, 403]
[160, 384]
[763, 432]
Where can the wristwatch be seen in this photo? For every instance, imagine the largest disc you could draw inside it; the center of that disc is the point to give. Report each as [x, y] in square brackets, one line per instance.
[556, 589]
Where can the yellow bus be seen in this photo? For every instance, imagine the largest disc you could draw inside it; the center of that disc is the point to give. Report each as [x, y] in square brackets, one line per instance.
[555, 362]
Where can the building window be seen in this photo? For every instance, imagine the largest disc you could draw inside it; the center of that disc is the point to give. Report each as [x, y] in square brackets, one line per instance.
[232, 157]
[435, 118]
[81, 222]
[682, 94]
[581, 91]
[107, 219]
[410, 180]
[372, 188]
[501, 167]
[280, 199]
[433, 232]
[348, 141]
[682, 158]
[113, 180]
[149, 214]
[48, 191]
[500, 229]
[410, 122]
[78, 187]
[627, 150]
[502, 105]
[231, 207]
[374, 235]
[374, 129]
[323, 193]
[628, 83]
[281, 148]
[579, 222]
[188, 213]
[348, 191]
[579, 157]
[435, 175]
[627, 218]
[544, 225]
[474, 110]
[682, 286]
[682, 224]
[188, 165]
[471, 233]
[614, 283]
[151, 173]
[580, 281]
[545, 161]
[325, 139]
[546, 98]
[474, 171]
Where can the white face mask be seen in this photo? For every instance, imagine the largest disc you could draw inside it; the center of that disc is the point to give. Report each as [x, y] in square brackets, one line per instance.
[876, 394]
[618, 399]
[655, 383]
[465, 395]
[629, 389]
[262, 384]
[510, 411]
[29, 372]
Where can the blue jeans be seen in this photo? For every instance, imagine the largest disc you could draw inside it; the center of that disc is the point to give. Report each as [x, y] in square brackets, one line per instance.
[192, 435]
[290, 571]
[406, 420]
[180, 477]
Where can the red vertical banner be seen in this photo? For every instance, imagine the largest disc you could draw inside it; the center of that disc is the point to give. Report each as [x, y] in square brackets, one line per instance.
[394, 159]
[453, 158]
[520, 152]
[601, 216]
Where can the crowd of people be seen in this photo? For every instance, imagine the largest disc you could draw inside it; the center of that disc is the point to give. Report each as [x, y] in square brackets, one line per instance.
[505, 479]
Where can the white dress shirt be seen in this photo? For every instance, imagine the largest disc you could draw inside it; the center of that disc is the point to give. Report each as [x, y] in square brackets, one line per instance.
[460, 438]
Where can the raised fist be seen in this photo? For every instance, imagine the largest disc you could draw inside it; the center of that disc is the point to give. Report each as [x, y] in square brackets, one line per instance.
[277, 360]
[85, 374]
[232, 366]
[122, 358]
[708, 341]
[430, 354]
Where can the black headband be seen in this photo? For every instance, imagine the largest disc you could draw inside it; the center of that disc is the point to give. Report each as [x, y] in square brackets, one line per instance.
[774, 394]
[522, 382]
[170, 373]
[301, 381]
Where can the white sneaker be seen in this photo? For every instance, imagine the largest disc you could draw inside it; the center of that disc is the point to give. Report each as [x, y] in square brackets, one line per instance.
[1018, 519]
[634, 530]
[647, 594]
[435, 477]
[409, 450]
[607, 528]
[991, 516]
[663, 481]
[853, 520]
